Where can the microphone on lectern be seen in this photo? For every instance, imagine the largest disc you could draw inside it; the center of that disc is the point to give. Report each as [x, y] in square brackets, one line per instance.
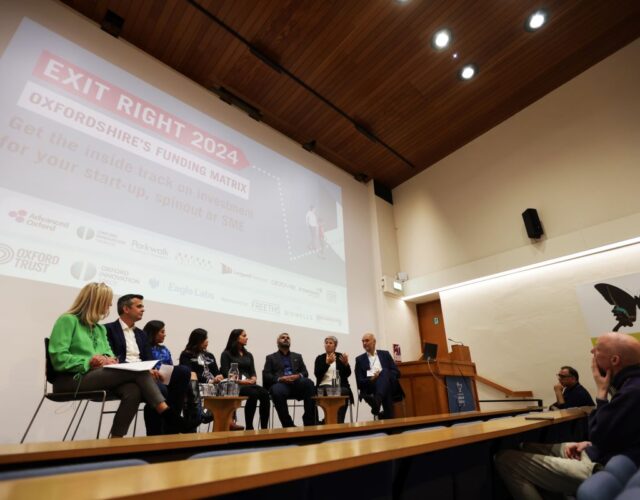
[454, 341]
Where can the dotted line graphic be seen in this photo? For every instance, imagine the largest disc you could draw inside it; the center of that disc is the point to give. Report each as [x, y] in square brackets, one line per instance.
[284, 214]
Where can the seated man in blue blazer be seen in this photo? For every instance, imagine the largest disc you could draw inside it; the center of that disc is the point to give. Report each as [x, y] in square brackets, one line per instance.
[129, 344]
[285, 376]
[377, 378]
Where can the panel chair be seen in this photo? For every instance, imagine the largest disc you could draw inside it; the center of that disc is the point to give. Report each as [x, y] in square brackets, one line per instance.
[66, 397]
[292, 404]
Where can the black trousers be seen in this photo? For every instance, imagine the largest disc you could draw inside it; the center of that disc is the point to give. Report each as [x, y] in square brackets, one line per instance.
[382, 388]
[174, 392]
[256, 393]
[301, 389]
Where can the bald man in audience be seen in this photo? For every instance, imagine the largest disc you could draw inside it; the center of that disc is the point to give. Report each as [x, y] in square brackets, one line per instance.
[614, 429]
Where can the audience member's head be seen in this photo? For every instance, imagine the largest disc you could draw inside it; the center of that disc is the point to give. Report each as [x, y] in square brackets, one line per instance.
[198, 341]
[155, 331]
[615, 351]
[568, 376]
[92, 303]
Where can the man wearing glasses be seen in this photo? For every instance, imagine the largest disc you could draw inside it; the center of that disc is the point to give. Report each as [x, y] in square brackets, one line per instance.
[569, 392]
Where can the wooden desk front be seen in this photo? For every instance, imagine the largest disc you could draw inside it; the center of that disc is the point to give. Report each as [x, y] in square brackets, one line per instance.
[221, 475]
[13, 455]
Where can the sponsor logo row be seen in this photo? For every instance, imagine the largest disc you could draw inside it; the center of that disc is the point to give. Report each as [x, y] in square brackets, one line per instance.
[43, 222]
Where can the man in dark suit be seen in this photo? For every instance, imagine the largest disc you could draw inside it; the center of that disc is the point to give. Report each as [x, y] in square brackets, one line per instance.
[377, 377]
[286, 376]
[129, 344]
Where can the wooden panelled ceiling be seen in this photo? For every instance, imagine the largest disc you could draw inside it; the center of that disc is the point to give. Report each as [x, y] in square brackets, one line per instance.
[370, 62]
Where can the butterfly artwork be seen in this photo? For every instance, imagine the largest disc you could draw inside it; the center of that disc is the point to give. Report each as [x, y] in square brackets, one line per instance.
[624, 304]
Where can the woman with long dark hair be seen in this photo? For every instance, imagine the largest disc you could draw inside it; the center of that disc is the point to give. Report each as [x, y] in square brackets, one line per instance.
[193, 412]
[203, 363]
[236, 352]
[199, 359]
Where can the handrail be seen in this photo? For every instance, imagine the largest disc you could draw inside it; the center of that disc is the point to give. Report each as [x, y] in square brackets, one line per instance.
[507, 392]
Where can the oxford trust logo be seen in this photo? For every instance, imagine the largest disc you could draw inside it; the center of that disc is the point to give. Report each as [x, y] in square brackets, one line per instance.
[6, 254]
[27, 259]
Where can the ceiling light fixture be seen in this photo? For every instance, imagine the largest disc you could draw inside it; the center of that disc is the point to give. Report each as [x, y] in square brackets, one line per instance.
[557, 260]
[468, 72]
[536, 20]
[441, 39]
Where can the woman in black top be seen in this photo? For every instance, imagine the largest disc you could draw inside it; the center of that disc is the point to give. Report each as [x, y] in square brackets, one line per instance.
[201, 361]
[236, 352]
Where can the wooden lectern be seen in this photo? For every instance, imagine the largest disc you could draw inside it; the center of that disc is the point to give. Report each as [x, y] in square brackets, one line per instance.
[424, 382]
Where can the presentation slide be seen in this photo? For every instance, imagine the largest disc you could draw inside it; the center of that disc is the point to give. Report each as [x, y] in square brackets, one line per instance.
[106, 178]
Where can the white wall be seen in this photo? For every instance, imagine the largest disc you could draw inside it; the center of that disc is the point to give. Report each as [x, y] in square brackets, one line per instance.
[28, 309]
[574, 156]
[523, 327]
[397, 319]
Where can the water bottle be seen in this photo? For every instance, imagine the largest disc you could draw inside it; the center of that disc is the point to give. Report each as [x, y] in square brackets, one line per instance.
[234, 373]
[234, 376]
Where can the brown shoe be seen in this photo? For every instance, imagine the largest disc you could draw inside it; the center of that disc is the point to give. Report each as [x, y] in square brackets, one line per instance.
[236, 427]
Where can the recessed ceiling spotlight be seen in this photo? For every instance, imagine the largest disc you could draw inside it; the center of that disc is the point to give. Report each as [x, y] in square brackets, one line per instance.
[468, 72]
[441, 39]
[455, 56]
[403, 1]
[536, 20]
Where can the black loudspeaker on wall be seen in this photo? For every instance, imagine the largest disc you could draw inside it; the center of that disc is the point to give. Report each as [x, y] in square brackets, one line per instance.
[532, 223]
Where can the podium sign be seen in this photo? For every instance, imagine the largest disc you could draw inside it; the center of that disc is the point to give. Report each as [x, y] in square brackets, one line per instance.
[460, 394]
